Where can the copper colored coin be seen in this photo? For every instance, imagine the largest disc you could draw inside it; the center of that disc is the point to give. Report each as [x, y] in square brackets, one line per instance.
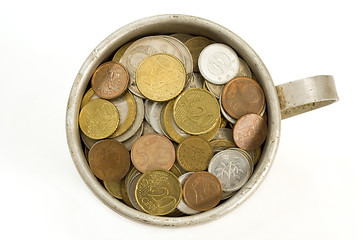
[250, 131]
[152, 151]
[241, 96]
[202, 191]
[110, 80]
[109, 160]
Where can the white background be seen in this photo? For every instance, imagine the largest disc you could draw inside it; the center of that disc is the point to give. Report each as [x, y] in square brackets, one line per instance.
[313, 190]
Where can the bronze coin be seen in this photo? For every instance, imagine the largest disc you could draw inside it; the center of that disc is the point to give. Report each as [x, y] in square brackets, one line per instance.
[110, 80]
[152, 151]
[250, 131]
[241, 96]
[109, 160]
[202, 191]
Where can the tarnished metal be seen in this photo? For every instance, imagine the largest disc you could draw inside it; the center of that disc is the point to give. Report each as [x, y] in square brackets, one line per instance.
[167, 24]
[306, 94]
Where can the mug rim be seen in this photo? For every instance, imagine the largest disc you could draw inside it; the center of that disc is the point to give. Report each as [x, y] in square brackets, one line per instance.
[127, 33]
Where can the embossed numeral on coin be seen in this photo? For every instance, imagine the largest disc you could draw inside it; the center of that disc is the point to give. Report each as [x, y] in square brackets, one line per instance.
[161, 200]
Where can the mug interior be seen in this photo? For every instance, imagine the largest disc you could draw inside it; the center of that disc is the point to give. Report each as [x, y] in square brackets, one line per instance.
[167, 24]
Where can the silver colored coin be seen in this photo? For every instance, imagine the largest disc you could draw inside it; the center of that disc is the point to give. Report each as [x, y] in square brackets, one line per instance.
[196, 81]
[147, 128]
[182, 206]
[88, 142]
[248, 155]
[177, 128]
[183, 37]
[224, 133]
[187, 56]
[147, 106]
[154, 116]
[243, 70]
[218, 63]
[131, 190]
[141, 49]
[226, 195]
[263, 111]
[215, 89]
[225, 114]
[232, 169]
[137, 122]
[129, 142]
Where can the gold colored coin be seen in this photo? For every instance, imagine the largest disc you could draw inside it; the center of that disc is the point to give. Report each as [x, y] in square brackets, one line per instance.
[194, 153]
[172, 130]
[175, 170]
[114, 188]
[223, 123]
[196, 111]
[158, 192]
[87, 97]
[130, 117]
[98, 119]
[211, 134]
[195, 46]
[160, 77]
[120, 52]
[222, 144]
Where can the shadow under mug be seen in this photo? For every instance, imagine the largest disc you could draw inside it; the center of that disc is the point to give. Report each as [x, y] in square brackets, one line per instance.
[282, 101]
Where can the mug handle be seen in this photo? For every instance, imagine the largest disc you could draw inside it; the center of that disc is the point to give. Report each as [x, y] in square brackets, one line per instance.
[306, 94]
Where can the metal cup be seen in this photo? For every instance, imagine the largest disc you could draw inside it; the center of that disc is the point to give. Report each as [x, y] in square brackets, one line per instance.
[283, 101]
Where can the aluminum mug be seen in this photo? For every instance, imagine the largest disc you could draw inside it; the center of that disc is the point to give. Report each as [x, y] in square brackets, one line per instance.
[282, 101]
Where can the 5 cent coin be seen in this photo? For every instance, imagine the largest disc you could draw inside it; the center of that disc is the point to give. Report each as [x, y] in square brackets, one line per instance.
[152, 151]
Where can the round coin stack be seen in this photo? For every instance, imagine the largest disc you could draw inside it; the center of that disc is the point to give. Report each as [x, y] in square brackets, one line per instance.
[174, 124]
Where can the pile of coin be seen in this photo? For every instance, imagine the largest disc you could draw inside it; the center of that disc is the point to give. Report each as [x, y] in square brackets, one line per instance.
[174, 124]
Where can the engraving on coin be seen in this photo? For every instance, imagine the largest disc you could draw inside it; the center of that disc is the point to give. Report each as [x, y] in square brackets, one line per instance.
[158, 192]
[250, 131]
[120, 52]
[182, 206]
[196, 111]
[242, 96]
[141, 49]
[109, 160]
[98, 119]
[231, 168]
[160, 77]
[171, 128]
[110, 80]
[202, 191]
[124, 104]
[187, 57]
[195, 46]
[152, 151]
[218, 63]
[194, 153]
